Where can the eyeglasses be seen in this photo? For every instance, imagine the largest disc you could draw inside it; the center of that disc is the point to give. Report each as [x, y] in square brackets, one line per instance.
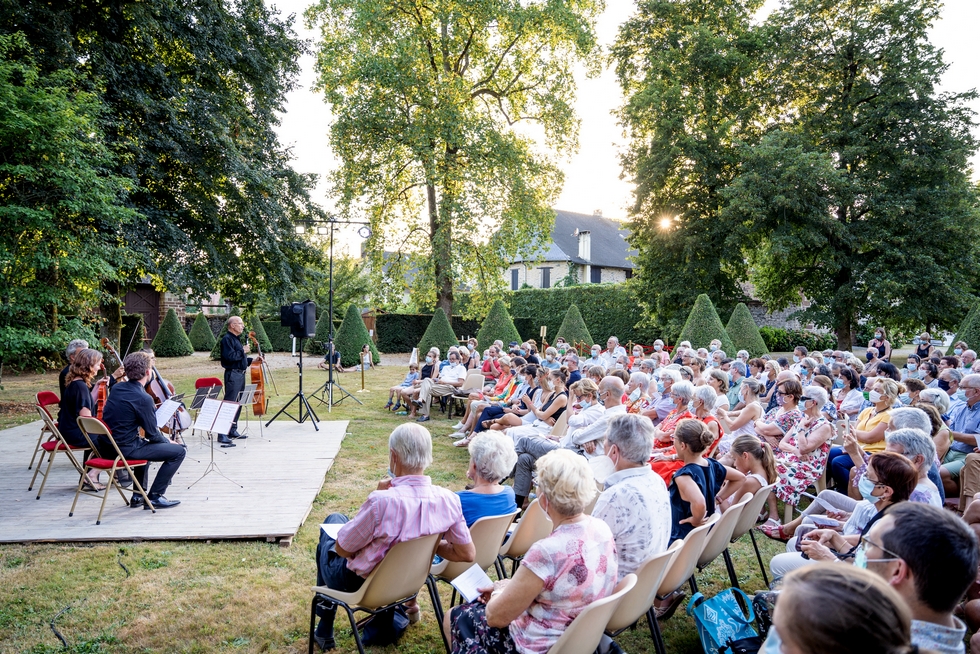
[802, 399]
[865, 543]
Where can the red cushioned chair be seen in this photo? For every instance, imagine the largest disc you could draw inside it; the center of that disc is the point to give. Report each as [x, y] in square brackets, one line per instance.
[51, 447]
[205, 382]
[91, 427]
[44, 399]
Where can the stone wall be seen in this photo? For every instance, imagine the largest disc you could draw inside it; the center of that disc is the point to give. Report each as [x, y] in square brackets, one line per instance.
[175, 302]
[764, 318]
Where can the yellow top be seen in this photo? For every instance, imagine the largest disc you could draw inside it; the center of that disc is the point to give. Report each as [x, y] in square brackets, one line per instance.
[867, 421]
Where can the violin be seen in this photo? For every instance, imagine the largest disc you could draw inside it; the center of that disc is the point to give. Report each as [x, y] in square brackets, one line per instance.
[100, 392]
[258, 378]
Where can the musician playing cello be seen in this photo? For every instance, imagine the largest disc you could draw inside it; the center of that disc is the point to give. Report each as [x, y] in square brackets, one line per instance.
[235, 362]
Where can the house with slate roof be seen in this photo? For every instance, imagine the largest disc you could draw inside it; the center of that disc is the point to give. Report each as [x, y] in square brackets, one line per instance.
[593, 248]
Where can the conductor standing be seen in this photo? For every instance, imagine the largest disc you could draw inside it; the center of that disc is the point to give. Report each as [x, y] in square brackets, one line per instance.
[235, 363]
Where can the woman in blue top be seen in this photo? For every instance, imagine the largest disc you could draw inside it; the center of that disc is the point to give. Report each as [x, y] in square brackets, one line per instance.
[492, 457]
[699, 482]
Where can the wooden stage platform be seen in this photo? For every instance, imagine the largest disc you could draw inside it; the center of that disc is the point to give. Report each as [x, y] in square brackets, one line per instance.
[278, 475]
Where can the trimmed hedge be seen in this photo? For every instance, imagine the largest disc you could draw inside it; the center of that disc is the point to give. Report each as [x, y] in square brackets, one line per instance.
[744, 332]
[438, 334]
[784, 340]
[278, 336]
[202, 338]
[128, 342]
[400, 332]
[497, 326]
[255, 325]
[171, 339]
[968, 332]
[351, 337]
[703, 326]
[573, 328]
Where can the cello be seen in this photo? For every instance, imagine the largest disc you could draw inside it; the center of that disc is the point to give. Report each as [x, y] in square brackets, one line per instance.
[257, 378]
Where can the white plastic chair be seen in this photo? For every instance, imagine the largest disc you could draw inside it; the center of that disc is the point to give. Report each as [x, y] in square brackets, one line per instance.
[720, 535]
[582, 636]
[682, 568]
[532, 527]
[396, 580]
[639, 601]
[746, 525]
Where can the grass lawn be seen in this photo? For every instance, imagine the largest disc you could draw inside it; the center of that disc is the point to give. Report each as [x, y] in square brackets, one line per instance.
[241, 596]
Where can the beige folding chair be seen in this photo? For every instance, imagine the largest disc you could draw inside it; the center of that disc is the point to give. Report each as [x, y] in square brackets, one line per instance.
[561, 426]
[397, 579]
[639, 601]
[720, 535]
[51, 447]
[582, 636]
[94, 426]
[457, 401]
[685, 562]
[746, 524]
[43, 400]
[532, 527]
[487, 534]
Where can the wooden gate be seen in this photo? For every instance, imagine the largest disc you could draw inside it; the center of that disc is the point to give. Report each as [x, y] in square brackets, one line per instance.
[145, 299]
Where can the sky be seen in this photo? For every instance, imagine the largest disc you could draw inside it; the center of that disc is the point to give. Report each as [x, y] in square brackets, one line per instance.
[592, 175]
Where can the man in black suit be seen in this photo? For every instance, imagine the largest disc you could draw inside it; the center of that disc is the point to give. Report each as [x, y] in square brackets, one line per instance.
[128, 408]
[235, 363]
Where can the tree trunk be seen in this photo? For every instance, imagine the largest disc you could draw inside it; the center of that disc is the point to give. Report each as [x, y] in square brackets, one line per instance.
[440, 234]
[845, 337]
[110, 308]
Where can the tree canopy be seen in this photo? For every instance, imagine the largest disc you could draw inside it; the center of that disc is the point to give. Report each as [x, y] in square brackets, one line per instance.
[426, 100]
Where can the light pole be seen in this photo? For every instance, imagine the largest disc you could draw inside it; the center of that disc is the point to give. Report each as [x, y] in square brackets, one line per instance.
[324, 227]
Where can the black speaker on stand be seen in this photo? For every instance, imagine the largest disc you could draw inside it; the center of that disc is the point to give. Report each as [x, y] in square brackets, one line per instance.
[300, 317]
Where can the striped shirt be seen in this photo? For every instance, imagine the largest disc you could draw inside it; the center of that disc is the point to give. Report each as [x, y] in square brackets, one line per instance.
[410, 509]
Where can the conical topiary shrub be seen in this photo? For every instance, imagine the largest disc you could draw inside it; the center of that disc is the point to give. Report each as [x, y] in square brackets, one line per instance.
[967, 332]
[202, 340]
[497, 326]
[171, 340]
[703, 326]
[745, 333]
[322, 334]
[438, 334]
[573, 328]
[253, 324]
[351, 337]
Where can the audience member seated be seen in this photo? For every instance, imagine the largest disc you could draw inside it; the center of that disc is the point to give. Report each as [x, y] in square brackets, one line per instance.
[717, 380]
[700, 482]
[742, 421]
[664, 460]
[963, 425]
[430, 370]
[754, 459]
[930, 557]
[889, 480]
[559, 576]
[492, 457]
[778, 421]
[634, 502]
[403, 508]
[451, 378]
[521, 414]
[553, 405]
[395, 391]
[867, 616]
[663, 403]
[551, 359]
[638, 393]
[491, 366]
[497, 391]
[869, 431]
[572, 363]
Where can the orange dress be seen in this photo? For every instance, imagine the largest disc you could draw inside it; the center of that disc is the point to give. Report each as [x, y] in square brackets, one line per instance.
[666, 469]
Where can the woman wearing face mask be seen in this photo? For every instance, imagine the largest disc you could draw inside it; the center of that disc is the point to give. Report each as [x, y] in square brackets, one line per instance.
[801, 457]
[924, 349]
[430, 370]
[493, 394]
[668, 461]
[636, 357]
[911, 368]
[768, 397]
[474, 361]
[741, 422]
[697, 371]
[872, 359]
[777, 422]
[552, 406]
[890, 479]
[930, 374]
[586, 408]
[850, 398]
[637, 396]
[869, 430]
[660, 353]
[717, 380]
[551, 359]
[880, 344]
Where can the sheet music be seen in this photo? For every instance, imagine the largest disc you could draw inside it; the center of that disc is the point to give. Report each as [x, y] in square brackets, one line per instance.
[227, 414]
[166, 411]
[332, 530]
[207, 414]
[470, 581]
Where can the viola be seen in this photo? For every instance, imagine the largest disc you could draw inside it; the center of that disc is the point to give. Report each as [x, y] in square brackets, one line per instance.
[162, 390]
[258, 378]
[101, 395]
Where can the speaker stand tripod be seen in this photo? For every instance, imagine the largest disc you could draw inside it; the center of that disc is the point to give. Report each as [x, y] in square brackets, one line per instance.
[299, 397]
[330, 387]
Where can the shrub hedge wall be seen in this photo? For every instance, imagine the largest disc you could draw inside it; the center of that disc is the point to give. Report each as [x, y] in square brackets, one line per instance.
[400, 332]
[784, 340]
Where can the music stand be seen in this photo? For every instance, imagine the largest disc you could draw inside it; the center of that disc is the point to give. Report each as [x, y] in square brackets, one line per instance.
[246, 398]
[301, 397]
[212, 466]
[203, 393]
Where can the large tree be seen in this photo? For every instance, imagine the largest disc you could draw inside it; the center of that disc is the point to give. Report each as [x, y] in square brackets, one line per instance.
[860, 197]
[190, 93]
[687, 69]
[427, 101]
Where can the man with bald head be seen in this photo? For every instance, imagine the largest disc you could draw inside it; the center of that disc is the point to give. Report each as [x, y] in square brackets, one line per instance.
[235, 363]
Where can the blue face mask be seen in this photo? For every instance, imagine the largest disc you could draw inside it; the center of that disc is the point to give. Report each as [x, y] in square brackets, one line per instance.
[773, 644]
[660, 387]
[716, 364]
[958, 351]
[905, 399]
[828, 361]
[866, 488]
[714, 347]
[521, 352]
[796, 358]
[838, 383]
[584, 405]
[960, 395]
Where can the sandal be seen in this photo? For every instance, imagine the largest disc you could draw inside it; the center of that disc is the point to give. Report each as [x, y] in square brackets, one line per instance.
[388, 406]
[397, 406]
[463, 442]
[775, 532]
[93, 487]
[487, 424]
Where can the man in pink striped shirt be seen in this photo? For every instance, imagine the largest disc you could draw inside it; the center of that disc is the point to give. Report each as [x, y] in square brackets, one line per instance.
[404, 507]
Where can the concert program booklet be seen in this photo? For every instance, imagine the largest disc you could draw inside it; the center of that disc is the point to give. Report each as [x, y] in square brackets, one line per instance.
[470, 581]
[217, 416]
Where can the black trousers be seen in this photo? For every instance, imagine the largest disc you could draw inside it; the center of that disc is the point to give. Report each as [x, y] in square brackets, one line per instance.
[171, 455]
[234, 385]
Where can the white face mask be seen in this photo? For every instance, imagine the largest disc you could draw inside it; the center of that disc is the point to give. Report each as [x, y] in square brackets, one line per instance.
[550, 358]
[874, 397]
[635, 395]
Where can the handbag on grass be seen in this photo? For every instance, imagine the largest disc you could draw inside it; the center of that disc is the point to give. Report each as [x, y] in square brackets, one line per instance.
[722, 625]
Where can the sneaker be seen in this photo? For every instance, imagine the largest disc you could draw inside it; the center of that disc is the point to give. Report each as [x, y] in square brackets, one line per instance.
[457, 434]
[458, 426]
[422, 419]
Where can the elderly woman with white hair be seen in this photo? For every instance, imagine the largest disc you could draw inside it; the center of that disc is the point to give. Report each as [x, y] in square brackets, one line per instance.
[492, 457]
[638, 393]
[559, 576]
[663, 404]
[938, 398]
[551, 359]
[660, 354]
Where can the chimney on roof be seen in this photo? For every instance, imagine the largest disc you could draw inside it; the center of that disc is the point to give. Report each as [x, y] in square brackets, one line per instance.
[584, 245]
[597, 212]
